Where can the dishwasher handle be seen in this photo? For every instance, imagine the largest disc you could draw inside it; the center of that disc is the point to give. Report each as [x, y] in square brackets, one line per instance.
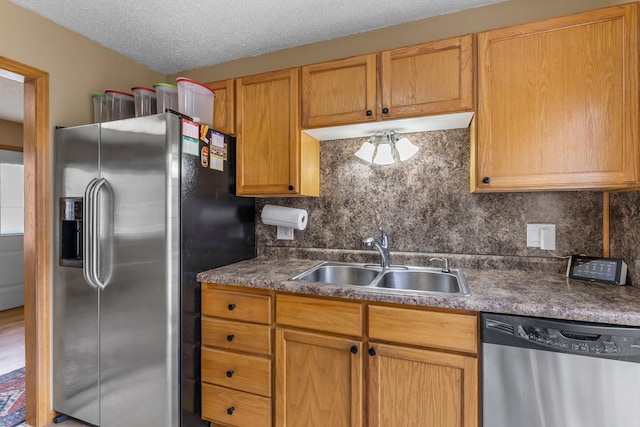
[579, 336]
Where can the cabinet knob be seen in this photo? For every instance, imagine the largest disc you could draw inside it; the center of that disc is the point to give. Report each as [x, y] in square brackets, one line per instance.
[230, 410]
[291, 188]
[385, 110]
[230, 337]
[231, 307]
[369, 113]
[230, 373]
[354, 349]
[486, 180]
[372, 352]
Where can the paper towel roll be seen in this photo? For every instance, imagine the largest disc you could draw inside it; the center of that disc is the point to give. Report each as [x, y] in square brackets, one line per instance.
[284, 217]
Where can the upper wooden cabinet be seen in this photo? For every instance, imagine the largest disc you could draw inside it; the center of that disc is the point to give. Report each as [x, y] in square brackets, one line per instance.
[274, 158]
[424, 79]
[342, 91]
[558, 104]
[427, 78]
[224, 117]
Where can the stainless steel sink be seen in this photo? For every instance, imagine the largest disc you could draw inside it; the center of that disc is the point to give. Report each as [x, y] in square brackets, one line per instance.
[398, 278]
[420, 281]
[340, 274]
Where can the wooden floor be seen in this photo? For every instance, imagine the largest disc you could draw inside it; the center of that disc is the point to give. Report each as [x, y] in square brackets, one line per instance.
[11, 340]
[12, 349]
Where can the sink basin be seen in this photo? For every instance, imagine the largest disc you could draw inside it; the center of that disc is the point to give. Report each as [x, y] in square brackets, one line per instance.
[420, 281]
[340, 274]
[397, 278]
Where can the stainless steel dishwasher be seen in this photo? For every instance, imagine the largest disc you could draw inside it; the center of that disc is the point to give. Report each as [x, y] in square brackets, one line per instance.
[547, 373]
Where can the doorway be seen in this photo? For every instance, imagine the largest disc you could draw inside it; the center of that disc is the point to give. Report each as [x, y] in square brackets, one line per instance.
[37, 241]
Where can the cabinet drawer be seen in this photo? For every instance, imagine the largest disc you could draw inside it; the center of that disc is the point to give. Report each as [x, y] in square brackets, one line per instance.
[236, 305]
[235, 408]
[450, 331]
[237, 371]
[319, 314]
[240, 336]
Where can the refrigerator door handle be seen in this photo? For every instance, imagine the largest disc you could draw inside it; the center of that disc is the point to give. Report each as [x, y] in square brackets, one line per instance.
[96, 241]
[87, 227]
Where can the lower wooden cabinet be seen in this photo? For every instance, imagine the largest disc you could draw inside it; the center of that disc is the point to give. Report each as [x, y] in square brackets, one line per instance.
[319, 380]
[417, 387]
[235, 408]
[236, 356]
[335, 362]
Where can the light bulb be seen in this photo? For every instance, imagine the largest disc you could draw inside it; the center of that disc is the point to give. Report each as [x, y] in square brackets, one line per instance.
[406, 149]
[366, 151]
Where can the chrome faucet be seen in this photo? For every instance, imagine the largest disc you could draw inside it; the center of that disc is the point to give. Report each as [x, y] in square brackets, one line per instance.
[382, 246]
[445, 264]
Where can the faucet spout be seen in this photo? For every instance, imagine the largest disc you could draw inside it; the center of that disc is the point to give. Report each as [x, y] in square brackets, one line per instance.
[382, 246]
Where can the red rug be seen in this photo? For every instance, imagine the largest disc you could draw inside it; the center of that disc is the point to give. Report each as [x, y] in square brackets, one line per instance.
[12, 398]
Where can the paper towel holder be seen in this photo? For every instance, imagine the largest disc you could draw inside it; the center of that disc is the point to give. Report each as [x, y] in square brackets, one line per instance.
[285, 219]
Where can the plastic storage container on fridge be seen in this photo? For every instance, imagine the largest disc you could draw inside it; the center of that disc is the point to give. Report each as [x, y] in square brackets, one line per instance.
[120, 105]
[195, 100]
[166, 97]
[144, 101]
[99, 107]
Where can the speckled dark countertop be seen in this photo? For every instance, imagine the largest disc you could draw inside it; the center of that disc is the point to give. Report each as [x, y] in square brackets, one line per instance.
[493, 290]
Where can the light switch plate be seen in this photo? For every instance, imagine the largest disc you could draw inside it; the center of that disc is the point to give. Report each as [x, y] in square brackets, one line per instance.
[533, 235]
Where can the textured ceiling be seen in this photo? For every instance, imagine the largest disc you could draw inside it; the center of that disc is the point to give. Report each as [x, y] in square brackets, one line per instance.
[170, 36]
[11, 100]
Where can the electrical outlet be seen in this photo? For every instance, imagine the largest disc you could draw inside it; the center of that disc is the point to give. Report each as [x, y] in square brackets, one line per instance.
[534, 233]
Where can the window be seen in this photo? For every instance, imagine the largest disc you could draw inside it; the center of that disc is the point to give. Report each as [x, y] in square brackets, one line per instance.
[11, 194]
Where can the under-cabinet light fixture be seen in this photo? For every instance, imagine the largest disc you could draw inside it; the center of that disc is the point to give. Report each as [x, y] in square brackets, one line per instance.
[385, 148]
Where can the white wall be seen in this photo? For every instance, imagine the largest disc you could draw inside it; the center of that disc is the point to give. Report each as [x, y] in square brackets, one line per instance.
[11, 271]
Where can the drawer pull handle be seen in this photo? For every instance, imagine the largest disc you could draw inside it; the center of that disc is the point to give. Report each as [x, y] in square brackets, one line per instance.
[385, 110]
[230, 410]
[486, 180]
[372, 352]
[354, 349]
[231, 307]
[230, 373]
[230, 337]
[369, 113]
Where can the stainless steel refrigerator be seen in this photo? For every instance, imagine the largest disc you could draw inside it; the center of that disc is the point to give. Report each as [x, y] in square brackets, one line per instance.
[142, 206]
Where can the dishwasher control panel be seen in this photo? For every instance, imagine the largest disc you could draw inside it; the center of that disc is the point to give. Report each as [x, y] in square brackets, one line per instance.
[577, 343]
[563, 336]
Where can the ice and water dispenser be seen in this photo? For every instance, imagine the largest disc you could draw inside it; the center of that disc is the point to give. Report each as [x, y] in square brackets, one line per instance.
[71, 231]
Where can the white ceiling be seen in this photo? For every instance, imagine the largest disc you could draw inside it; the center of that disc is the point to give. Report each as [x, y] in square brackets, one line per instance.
[11, 100]
[171, 36]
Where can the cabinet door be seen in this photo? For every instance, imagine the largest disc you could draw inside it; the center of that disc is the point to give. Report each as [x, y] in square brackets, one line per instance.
[413, 387]
[318, 380]
[273, 157]
[428, 78]
[558, 103]
[339, 92]
[224, 117]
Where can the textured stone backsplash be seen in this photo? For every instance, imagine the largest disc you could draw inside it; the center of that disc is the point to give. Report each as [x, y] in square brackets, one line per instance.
[624, 232]
[425, 206]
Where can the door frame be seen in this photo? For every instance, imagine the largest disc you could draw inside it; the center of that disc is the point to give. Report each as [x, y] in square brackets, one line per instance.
[37, 242]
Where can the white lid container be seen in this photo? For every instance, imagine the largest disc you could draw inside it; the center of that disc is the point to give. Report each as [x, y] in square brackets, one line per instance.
[120, 105]
[166, 97]
[99, 107]
[195, 100]
[144, 100]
